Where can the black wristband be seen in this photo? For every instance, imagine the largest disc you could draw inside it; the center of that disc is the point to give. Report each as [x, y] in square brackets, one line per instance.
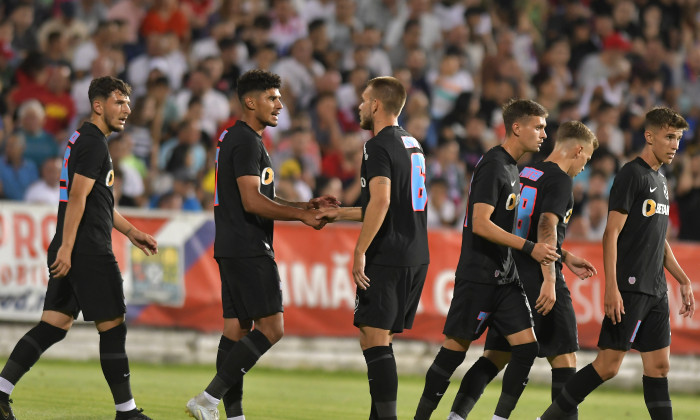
[528, 247]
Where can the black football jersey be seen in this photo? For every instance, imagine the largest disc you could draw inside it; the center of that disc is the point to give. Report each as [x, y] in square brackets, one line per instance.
[87, 154]
[240, 234]
[402, 239]
[544, 188]
[495, 182]
[642, 193]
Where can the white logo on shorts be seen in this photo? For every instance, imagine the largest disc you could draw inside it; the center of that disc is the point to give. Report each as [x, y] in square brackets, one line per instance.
[632, 280]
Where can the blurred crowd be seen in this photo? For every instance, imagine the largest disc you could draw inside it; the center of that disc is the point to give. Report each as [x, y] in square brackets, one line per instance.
[605, 62]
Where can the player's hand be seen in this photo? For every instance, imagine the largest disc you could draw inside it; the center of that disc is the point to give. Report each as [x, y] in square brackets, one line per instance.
[358, 271]
[143, 241]
[614, 307]
[311, 218]
[325, 201]
[579, 266]
[544, 253]
[548, 296]
[61, 266]
[688, 306]
[329, 214]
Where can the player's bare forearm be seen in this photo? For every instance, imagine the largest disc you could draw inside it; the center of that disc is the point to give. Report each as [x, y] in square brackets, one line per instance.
[297, 204]
[255, 202]
[547, 233]
[484, 227]
[121, 224]
[671, 264]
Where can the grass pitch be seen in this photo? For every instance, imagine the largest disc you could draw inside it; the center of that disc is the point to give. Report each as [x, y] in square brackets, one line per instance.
[60, 390]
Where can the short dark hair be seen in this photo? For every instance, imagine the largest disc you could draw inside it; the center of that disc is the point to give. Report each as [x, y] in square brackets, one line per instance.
[576, 130]
[257, 80]
[390, 92]
[517, 109]
[102, 87]
[662, 117]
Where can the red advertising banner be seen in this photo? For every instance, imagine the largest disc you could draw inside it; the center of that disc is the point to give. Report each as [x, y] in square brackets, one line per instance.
[180, 286]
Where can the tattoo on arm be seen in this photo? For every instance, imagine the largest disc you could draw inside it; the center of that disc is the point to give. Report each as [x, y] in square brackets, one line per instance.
[547, 233]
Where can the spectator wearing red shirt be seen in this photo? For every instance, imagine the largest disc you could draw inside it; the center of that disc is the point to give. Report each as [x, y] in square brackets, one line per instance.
[166, 16]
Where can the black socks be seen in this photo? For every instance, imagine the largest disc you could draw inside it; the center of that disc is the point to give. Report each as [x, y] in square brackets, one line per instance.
[241, 358]
[383, 380]
[560, 376]
[29, 348]
[473, 384]
[234, 396]
[115, 364]
[437, 380]
[656, 398]
[515, 377]
[575, 391]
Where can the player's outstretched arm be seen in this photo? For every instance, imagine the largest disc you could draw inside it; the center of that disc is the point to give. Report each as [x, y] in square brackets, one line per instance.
[614, 308]
[484, 227]
[140, 239]
[579, 266]
[256, 203]
[671, 264]
[326, 201]
[377, 207]
[547, 234]
[79, 190]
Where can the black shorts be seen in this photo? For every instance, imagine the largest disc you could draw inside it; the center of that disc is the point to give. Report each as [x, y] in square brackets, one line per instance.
[94, 285]
[556, 333]
[645, 324]
[476, 306]
[391, 300]
[250, 287]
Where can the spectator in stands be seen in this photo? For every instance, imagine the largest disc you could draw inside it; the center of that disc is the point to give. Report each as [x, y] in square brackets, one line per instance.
[448, 166]
[442, 211]
[46, 190]
[166, 16]
[448, 82]
[344, 24]
[24, 37]
[40, 144]
[65, 20]
[287, 26]
[430, 32]
[299, 146]
[162, 58]
[102, 65]
[688, 196]
[131, 12]
[16, 172]
[596, 213]
[299, 72]
[133, 189]
[410, 39]
[56, 49]
[184, 152]
[57, 101]
[215, 106]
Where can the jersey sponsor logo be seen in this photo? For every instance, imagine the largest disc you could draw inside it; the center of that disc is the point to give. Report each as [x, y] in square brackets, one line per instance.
[109, 180]
[410, 142]
[567, 216]
[651, 207]
[512, 201]
[267, 176]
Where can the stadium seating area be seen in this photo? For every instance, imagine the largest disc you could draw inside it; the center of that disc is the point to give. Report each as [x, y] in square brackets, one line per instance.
[604, 62]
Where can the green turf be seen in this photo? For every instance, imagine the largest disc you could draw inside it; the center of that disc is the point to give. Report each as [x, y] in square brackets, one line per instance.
[59, 390]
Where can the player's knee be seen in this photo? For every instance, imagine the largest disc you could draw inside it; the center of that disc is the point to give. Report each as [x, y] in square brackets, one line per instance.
[499, 358]
[608, 371]
[525, 353]
[273, 333]
[658, 369]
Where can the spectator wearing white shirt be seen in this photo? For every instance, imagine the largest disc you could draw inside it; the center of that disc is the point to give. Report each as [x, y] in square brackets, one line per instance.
[215, 104]
[46, 190]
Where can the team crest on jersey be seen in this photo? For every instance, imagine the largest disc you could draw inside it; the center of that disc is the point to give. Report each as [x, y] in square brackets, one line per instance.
[651, 207]
[512, 201]
[567, 216]
[267, 176]
[109, 181]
